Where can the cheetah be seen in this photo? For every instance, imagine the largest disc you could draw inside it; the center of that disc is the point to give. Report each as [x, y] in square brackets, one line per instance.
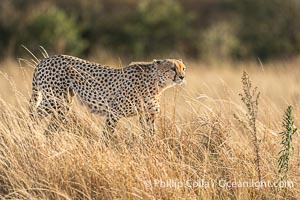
[115, 93]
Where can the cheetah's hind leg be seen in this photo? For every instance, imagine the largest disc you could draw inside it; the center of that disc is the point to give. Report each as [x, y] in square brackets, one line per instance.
[38, 107]
[58, 107]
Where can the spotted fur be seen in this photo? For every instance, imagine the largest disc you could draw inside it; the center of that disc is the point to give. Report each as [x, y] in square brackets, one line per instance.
[133, 90]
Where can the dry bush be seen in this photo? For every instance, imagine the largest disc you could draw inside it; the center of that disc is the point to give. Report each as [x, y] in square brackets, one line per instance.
[197, 141]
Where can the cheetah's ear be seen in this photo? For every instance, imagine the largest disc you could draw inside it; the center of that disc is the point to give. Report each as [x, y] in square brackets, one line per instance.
[157, 61]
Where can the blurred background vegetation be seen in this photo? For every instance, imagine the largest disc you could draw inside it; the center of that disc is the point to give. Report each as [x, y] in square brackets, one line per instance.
[136, 29]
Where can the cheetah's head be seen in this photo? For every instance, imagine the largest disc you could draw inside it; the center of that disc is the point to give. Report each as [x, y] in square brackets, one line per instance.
[170, 72]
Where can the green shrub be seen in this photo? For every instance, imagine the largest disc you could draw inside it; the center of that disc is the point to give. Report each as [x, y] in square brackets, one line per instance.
[269, 28]
[219, 41]
[153, 27]
[239, 29]
[55, 31]
[287, 148]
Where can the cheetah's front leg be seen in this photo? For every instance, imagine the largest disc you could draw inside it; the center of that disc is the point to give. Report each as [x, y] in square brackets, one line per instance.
[147, 123]
[110, 125]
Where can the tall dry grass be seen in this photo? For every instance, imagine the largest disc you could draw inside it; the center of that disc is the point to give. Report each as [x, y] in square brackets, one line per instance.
[198, 141]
